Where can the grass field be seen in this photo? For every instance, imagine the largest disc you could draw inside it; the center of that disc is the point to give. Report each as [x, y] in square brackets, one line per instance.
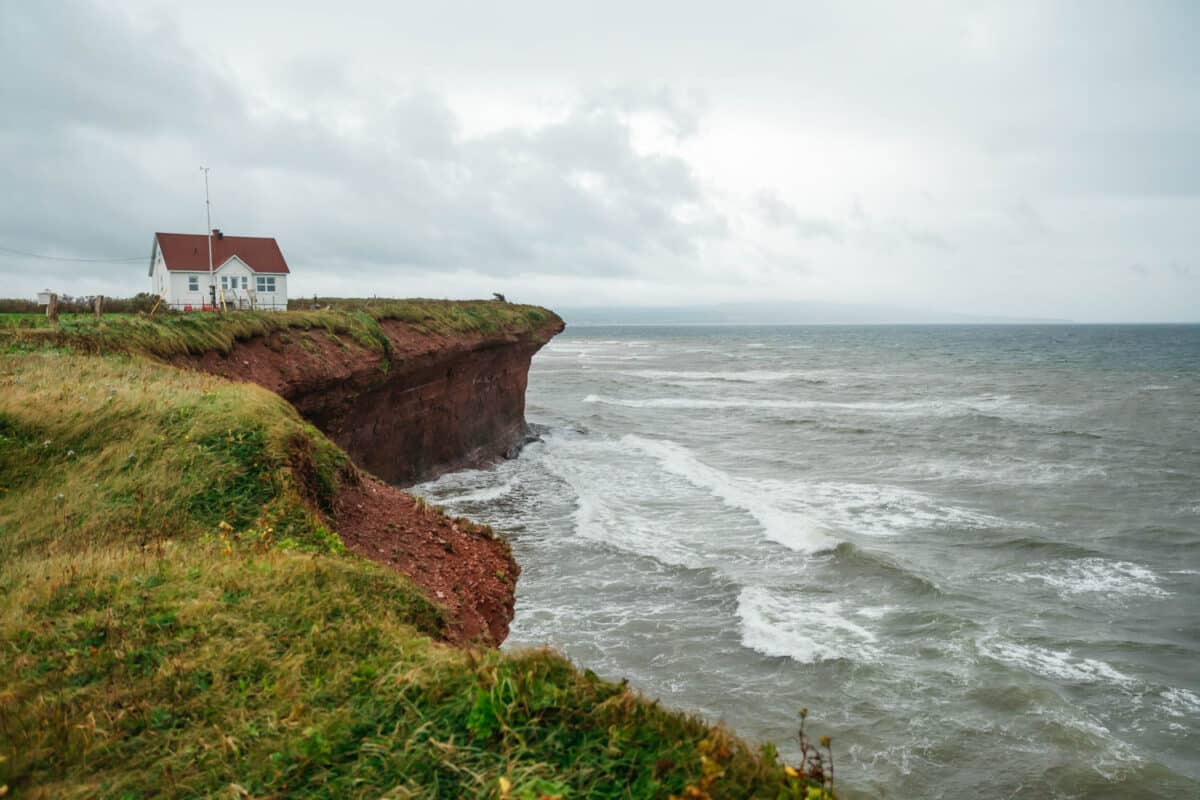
[30, 321]
[168, 334]
[178, 619]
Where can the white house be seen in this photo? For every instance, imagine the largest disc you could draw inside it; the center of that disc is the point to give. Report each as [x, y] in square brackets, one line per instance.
[248, 271]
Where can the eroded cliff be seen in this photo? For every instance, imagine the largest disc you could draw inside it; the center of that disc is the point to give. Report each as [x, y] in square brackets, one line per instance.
[428, 403]
[422, 403]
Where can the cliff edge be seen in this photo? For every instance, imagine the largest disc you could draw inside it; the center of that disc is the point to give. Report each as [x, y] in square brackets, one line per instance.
[421, 396]
[417, 404]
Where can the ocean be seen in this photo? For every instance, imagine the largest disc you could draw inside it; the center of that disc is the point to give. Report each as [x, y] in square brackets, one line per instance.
[972, 552]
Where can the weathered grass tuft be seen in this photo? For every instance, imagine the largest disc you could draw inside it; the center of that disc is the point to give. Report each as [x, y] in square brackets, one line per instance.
[121, 449]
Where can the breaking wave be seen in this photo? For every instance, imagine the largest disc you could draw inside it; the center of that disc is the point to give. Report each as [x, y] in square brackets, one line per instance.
[801, 628]
[1060, 665]
[1094, 575]
[786, 527]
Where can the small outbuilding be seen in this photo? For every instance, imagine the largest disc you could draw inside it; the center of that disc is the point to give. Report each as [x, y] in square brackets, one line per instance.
[247, 271]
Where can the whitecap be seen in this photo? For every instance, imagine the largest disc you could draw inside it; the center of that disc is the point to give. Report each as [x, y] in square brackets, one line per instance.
[801, 515]
[1060, 665]
[1008, 471]
[1180, 703]
[1095, 575]
[780, 525]
[688, 402]
[881, 510]
[800, 628]
[731, 376]
[996, 406]
[618, 528]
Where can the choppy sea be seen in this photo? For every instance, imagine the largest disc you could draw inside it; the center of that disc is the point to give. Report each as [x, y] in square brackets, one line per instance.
[973, 553]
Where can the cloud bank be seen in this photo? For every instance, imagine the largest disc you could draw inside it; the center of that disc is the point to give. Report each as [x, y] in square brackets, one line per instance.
[1012, 159]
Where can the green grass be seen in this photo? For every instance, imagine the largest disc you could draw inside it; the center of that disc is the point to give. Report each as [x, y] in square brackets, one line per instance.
[103, 450]
[177, 619]
[32, 320]
[171, 334]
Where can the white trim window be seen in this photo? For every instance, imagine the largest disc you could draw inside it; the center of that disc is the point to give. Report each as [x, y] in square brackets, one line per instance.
[245, 282]
[266, 283]
[193, 283]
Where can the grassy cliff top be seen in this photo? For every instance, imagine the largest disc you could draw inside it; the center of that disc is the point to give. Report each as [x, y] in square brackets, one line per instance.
[170, 334]
[178, 618]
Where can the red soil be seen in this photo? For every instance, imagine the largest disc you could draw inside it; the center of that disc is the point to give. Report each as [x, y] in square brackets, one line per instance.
[459, 566]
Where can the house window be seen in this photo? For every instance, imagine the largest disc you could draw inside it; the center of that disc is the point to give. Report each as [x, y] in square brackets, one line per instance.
[225, 281]
[266, 284]
[193, 283]
[245, 282]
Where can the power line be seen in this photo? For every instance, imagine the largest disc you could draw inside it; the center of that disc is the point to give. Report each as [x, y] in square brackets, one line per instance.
[63, 258]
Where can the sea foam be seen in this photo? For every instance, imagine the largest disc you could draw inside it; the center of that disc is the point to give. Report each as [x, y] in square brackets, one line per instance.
[801, 629]
[780, 525]
[1095, 575]
[1059, 665]
[803, 515]
[730, 376]
[1004, 407]
[485, 494]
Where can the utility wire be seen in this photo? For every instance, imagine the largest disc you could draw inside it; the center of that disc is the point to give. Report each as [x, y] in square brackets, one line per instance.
[62, 258]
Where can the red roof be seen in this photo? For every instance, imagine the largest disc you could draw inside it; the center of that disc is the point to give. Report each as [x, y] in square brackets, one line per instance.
[188, 252]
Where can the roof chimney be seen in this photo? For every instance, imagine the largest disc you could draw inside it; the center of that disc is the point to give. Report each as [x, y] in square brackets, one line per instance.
[217, 233]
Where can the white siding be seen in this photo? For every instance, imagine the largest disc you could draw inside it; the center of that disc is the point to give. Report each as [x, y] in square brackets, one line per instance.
[175, 284]
[158, 274]
[180, 295]
[277, 299]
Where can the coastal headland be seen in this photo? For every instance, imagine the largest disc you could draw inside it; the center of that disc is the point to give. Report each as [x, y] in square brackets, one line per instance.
[211, 583]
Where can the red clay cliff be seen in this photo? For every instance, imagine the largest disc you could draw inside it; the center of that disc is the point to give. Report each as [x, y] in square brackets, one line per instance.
[430, 404]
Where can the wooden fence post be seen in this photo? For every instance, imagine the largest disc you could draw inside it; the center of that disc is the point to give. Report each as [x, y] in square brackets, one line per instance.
[52, 308]
[99, 304]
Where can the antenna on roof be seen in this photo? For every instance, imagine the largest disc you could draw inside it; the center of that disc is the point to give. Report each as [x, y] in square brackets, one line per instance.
[212, 281]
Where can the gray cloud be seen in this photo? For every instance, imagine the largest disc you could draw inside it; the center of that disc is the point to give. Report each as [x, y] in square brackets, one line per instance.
[1008, 158]
[119, 124]
[778, 213]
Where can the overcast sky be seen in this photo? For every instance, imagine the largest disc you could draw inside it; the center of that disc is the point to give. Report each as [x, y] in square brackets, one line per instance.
[1000, 158]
